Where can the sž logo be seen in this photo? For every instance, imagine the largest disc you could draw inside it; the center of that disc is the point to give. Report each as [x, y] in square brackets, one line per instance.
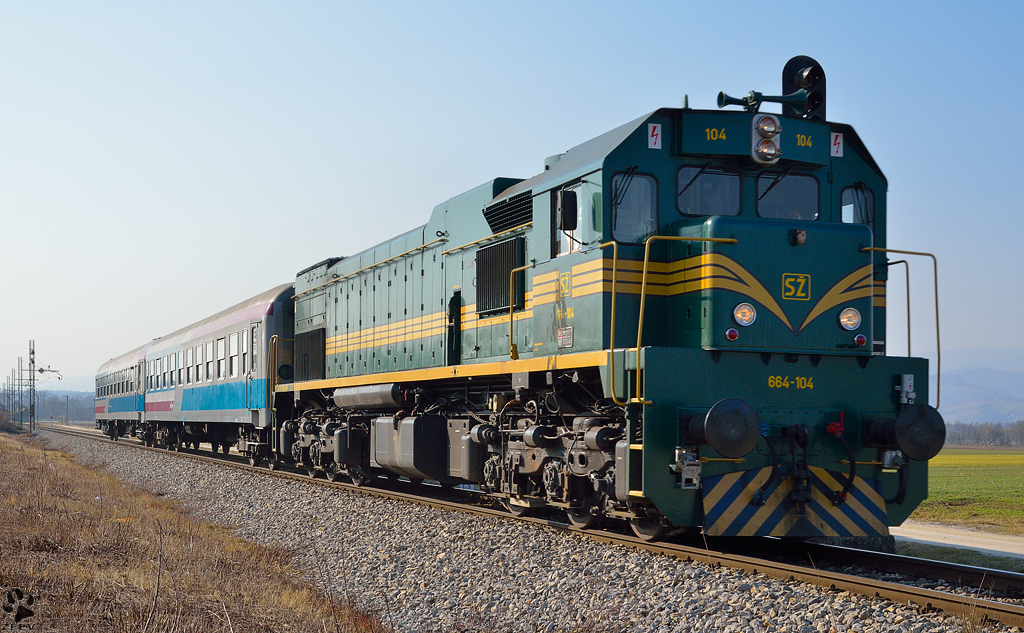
[796, 287]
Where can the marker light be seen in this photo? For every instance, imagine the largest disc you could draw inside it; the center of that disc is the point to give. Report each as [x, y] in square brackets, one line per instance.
[860, 340]
[767, 151]
[744, 314]
[849, 319]
[732, 334]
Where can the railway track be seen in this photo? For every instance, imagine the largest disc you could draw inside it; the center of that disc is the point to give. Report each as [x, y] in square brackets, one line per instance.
[977, 584]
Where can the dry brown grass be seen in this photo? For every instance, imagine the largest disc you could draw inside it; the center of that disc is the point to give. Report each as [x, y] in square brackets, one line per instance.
[98, 555]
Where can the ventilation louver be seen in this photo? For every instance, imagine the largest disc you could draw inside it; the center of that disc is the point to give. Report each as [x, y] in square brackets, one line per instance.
[510, 212]
[493, 265]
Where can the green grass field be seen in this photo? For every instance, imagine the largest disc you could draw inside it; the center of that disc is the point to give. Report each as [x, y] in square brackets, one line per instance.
[976, 488]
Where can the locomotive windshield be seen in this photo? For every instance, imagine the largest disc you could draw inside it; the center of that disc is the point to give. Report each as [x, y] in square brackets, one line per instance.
[787, 196]
[708, 191]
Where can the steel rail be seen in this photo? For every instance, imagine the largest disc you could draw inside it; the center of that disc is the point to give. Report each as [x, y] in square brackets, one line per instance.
[926, 600]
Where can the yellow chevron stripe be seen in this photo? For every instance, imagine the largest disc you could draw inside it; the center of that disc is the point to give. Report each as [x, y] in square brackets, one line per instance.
[856, 285]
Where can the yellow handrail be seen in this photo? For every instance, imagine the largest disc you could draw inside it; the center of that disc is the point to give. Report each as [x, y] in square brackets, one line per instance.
[513, 350]
[906, 265]
[489, 237]
[643, 293]
[611, 354]
[938, 340]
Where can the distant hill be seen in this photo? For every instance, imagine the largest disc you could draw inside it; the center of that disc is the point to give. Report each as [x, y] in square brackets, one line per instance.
[981, 384]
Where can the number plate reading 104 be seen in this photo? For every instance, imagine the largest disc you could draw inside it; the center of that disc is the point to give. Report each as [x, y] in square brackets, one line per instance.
[785, 382]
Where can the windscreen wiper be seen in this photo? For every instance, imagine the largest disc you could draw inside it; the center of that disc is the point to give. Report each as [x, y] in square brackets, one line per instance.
[617, 196]
[695, 177]
[777, 180]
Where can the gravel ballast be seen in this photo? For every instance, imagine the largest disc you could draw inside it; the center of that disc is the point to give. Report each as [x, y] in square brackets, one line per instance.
[426, 569]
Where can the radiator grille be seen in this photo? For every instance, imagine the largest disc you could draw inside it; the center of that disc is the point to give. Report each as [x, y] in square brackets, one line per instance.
[310, 355]
[510, 212]
[493, 265]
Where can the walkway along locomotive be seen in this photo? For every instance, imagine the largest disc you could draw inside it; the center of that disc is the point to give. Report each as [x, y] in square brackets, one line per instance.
[678, 323]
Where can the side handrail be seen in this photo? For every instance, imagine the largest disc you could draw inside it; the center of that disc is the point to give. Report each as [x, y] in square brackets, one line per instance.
[906, 265]
[611, 353]
[513, 349]
[643, 293]
[938, 343]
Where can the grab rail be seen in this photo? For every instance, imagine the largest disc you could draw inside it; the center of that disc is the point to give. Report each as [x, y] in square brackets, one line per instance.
[906, 265]
[643, 293]
[938, 340]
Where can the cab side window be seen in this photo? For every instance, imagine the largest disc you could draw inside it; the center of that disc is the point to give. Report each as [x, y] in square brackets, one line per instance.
[858, 205]
[634, 207]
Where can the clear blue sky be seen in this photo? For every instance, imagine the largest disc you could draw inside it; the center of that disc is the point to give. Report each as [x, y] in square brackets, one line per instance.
[188, 155]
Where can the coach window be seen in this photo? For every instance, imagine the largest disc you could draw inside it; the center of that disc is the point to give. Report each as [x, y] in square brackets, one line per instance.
[245, 351]
[233, 354]
[787, 196]
[172, 368]
[179, 366]
[199, 364]
[209, 361]
[188, 366]
[634, 207]
[220, 359]
[858, 205]
[707, 190]
[255, 347]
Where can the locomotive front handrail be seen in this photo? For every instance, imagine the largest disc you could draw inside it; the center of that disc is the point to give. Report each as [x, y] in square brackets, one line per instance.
[906, 265]
[643, 293]
[611, 333]
[938, 340]
[365, 268]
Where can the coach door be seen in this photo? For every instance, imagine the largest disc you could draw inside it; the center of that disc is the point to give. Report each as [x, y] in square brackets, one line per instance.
[140, 389]
[255, 385]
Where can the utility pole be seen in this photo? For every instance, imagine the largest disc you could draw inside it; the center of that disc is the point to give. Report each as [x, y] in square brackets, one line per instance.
[21, 396]
[31, 387]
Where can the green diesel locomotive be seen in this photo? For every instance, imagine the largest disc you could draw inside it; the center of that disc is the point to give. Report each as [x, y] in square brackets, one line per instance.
[679, 323]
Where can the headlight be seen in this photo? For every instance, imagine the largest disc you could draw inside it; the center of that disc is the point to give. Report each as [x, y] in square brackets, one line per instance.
[849, 319]
[767, 151]
[767, 127]
[744, 314]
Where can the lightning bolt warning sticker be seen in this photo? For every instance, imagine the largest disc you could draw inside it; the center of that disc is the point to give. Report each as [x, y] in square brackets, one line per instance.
[654, 136]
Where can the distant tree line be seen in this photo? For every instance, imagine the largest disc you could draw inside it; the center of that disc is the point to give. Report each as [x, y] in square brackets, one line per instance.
[77, 406]
[985, 433]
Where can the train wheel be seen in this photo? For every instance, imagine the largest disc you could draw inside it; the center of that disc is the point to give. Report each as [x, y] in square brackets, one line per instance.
[272, 463]
[311, 471]
[359, 476]
[516, 510]
[254, 459]
[648, 529]
[226, 447]
[583, 519]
